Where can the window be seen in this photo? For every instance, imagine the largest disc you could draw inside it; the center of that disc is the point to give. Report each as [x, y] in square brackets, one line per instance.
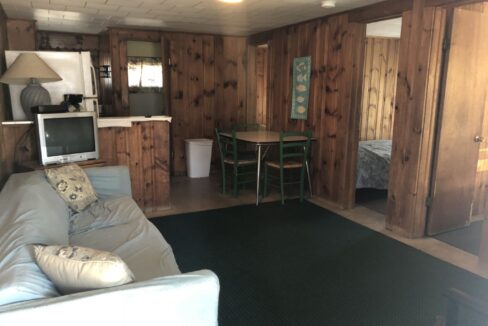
[145, 72]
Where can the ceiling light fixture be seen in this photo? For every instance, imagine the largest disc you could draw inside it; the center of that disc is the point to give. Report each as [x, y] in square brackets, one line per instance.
[231, 1]
[328, 4]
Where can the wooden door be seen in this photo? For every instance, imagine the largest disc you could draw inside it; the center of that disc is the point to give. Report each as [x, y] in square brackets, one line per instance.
[460, 120]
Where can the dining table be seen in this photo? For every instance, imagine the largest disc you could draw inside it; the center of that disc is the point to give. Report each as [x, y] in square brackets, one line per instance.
[263, 140]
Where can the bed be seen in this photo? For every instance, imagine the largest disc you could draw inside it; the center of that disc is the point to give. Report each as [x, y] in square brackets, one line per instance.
[373, 164]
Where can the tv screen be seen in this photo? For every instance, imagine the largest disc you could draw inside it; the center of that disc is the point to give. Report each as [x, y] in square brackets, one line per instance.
[69, 136]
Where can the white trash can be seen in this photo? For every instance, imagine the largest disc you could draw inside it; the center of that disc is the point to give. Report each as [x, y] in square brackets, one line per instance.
[198, 157]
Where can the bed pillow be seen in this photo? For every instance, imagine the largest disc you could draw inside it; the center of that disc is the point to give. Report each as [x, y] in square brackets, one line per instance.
[75, 269]
[73, 185]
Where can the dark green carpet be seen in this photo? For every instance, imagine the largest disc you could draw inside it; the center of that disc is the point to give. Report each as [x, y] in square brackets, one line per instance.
[467, 238]
[299, 264]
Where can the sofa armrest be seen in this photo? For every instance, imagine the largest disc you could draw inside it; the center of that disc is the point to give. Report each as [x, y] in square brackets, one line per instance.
[110, 181]
[185, 299]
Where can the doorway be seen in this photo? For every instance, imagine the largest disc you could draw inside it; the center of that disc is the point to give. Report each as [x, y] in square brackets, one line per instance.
[377, 113]
[457, 205]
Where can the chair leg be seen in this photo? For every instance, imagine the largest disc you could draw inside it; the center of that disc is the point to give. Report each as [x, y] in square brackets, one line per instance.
[224, 186]
[302, 183]
[282, 186]
[234, 183]
[265, 191]
[308, 178]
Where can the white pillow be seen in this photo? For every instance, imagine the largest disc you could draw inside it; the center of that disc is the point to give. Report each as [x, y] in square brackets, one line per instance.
[76, 269]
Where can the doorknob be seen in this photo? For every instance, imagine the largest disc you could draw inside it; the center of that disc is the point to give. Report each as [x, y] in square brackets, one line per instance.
[479, 139]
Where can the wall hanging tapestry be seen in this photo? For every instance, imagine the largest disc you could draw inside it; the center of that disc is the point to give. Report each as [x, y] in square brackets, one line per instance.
[301, 87]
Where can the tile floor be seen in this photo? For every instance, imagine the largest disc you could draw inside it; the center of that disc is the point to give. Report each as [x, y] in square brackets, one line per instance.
[205, 194]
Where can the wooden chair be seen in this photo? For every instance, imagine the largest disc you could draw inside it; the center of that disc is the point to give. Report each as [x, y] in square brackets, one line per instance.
[293, 155]
[242, 167]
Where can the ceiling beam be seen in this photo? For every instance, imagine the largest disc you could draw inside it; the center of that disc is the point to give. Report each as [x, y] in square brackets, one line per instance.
[380, 11]
[436, 3]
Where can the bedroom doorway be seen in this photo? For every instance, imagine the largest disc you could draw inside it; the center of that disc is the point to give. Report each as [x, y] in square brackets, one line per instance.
[377, 113]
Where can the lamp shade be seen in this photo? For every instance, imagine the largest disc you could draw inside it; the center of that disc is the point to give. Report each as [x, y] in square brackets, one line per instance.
[26, 67]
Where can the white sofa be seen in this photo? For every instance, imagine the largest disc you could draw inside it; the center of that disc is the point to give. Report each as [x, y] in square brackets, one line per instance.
[32, 213]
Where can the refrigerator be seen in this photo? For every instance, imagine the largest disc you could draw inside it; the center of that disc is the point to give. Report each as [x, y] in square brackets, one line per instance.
[77, 73]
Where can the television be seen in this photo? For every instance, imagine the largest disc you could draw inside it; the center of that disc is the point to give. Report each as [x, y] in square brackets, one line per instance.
[67, 137]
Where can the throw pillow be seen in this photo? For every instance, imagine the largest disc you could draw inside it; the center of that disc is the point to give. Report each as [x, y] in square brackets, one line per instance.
[75, 269]
[73, 185]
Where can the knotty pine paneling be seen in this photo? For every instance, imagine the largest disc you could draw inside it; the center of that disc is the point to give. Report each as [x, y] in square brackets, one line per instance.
[3, 94]
[208, 88]
[336, 47]
[144, 148]
[419, 73]
[208, 77]
[379, 88]
[19, 145]
[261, 86]
[21, 34]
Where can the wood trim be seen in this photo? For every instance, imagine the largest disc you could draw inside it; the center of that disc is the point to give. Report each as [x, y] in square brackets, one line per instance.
[380, 11]
[450, 3]
[415, 112]
[483, 256]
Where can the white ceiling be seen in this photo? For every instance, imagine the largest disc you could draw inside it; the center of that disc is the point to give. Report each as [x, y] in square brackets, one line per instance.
[206, 16]
[385, 28]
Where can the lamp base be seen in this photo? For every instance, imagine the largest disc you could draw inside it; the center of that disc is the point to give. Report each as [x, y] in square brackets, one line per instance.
[33, 95]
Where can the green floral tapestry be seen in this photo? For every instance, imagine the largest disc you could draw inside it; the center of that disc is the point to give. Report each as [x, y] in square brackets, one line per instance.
[301, 88]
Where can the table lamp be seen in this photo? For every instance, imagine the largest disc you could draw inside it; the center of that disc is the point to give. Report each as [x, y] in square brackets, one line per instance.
[29, 69]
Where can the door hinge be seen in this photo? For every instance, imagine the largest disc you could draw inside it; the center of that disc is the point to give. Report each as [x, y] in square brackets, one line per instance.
[428, 201]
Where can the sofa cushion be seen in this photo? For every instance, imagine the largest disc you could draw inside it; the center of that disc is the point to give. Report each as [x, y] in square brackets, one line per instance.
[31, 213]
[133, 238]
[75, 269]
[73, 185]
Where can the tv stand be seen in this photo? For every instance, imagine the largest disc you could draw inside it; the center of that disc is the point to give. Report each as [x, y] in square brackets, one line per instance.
[27, 166]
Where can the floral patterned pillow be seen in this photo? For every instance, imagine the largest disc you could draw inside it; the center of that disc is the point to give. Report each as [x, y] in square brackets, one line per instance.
[73, 185]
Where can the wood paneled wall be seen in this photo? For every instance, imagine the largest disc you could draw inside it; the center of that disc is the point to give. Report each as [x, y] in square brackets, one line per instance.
[415, 113]
[208, 77]
[336, 47]
[261, 86]
[379, 88]
[144, 148]
[208, 87]
[21, 34]
[19, 145]
[3, 94]
[105, 59]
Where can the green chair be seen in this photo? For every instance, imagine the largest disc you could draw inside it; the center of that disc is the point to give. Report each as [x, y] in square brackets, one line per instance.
[293, 155]
[242, 169]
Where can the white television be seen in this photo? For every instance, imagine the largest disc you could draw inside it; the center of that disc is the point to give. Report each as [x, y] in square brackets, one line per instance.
[67, 137]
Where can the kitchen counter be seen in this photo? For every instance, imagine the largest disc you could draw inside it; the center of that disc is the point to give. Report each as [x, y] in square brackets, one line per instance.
[108, 121]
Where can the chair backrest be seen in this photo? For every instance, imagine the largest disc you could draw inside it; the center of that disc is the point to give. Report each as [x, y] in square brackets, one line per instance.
[227, 145]
[294, 145]
[248, 127]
